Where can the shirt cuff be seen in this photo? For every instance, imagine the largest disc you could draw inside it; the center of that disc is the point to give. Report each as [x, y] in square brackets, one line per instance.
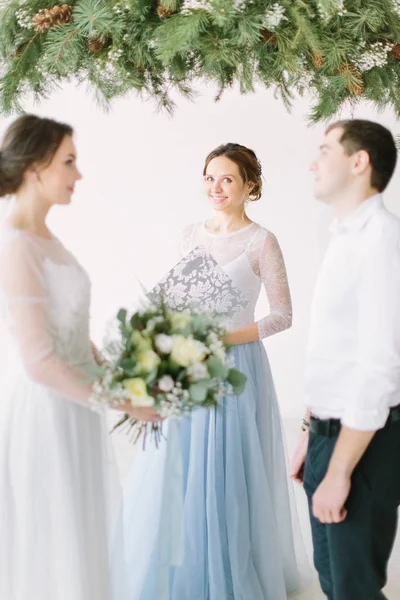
[365, 420]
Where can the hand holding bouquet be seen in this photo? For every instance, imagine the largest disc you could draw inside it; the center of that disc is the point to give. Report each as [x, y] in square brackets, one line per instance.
[173, 361]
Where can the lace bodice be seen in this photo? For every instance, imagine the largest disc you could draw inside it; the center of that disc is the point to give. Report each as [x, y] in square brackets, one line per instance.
[44, 306]
[251, 257]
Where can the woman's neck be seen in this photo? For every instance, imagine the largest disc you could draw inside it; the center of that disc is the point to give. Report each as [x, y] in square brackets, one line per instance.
[227, 222]
[29, 213]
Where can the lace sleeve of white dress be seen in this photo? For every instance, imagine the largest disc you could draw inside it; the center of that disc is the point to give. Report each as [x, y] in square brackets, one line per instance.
[186, 240]
[267, 261]
[25, 302]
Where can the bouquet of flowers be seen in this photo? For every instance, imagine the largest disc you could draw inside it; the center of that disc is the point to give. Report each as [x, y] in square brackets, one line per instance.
[172, 360]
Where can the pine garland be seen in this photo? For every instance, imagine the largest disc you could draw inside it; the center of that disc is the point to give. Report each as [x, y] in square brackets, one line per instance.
[338, 50]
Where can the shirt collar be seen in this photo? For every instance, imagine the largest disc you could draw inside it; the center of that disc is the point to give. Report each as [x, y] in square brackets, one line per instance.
[356, 220]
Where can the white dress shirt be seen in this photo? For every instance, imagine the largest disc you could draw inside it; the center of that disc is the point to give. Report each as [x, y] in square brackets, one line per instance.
[353, 357]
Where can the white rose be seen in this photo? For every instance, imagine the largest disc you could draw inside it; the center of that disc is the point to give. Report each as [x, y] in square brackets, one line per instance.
[187, 351]
[164, 343]
[197, 351]
[179, 352]
[166, 383]
[198, 371]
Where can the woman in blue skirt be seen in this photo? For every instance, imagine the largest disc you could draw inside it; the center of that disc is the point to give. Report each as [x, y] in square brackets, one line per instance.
[240, 538]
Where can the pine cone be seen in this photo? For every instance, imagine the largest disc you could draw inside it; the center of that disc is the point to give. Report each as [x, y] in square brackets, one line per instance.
[395, 52]
[164, 12]
[268, 37]
[51, 17]
[96, 45]
[356, 86]
[318, 61]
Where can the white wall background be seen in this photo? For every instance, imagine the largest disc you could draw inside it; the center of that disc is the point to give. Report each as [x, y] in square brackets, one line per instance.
[142, 183]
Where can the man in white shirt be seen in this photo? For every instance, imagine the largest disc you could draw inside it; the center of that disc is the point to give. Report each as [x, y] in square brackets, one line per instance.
[349, 456]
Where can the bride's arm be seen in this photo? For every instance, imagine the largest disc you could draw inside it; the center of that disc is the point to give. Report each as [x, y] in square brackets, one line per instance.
[97, 355]
[272, 271]
[24, 292]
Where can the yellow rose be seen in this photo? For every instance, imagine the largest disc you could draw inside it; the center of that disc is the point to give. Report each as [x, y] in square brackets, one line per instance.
[147, 361]
[140, 342]
[180, 320]
[137, 390]
[186, 351]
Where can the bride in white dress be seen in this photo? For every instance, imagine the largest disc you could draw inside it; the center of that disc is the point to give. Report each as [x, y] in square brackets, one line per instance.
[56, 471]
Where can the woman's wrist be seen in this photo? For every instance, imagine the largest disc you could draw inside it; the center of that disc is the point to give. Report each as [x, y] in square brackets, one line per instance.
[305, 426]
[229, 339]
[246, 335]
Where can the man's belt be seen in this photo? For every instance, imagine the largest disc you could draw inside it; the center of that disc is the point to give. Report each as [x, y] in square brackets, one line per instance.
[332, 427]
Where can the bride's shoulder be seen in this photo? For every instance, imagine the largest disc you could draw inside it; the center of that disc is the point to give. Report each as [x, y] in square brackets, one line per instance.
[13, 241]
[188, 237]
[260, 227]
[261, 232]
[264, 241]
[189, 231]
[191, 227]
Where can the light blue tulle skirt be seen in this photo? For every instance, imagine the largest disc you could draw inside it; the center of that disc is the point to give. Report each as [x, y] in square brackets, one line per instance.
[210, 514]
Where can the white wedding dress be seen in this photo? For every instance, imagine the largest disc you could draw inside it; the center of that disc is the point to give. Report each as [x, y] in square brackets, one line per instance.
[57, 476]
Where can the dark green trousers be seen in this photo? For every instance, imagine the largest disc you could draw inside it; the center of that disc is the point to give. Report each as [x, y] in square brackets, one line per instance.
[351, 557]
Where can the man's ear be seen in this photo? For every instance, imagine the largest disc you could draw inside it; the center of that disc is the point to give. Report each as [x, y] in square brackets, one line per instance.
[362, 162]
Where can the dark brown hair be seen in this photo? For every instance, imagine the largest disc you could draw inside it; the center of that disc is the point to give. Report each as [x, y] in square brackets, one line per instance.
[28, 140]
[376, 140]
[248, 164]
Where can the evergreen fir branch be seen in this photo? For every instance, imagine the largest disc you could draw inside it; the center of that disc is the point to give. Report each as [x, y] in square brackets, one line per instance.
[96, 18]
[27, 57]
[171, 4]
[182, 67]
[367, 21]
[247, 30]
[335, 51]
[186, 90]
[246, 75]
[179, 33]
[151, 47]
[304, 33]
[325, 108]
[13, 83]
[8, 28]
[283, 93]
[63, 49]
[224, 14]
[218, 52]
[12, 95]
